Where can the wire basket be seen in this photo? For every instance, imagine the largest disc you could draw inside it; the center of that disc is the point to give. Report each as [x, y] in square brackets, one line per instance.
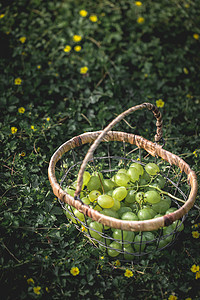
[122, 238]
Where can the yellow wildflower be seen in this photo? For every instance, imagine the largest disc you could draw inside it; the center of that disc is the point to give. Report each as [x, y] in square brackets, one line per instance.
[197, 275]
[195, 234]
[196, 36]
[172, 297]
[77, 48]
[33, 128]
[128, 273]
[48, 119]
[2, 16]
[102, 257]
[36, 290]
[117, 263]
[47, 289]
[93, 18]
[21, 110]
[39, 67]
[83, 13]
[195, 153]
[160, 103]
[74, 271]
[82, 227]
[18, 81]
[140, 20]
[22, 39]
[30, 280]
[77, 38]
[138, 3]
[185, 70]
[83, 70]
[194, 269]
[67, 48]
[23, 154]
[13, 130]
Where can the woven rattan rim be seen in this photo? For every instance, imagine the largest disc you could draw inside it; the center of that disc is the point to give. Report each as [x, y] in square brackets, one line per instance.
[154, 150]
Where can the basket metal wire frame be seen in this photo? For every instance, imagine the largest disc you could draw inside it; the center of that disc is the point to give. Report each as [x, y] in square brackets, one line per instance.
[106, 237]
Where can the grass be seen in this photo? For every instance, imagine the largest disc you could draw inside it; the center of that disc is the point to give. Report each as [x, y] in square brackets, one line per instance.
[130, 53]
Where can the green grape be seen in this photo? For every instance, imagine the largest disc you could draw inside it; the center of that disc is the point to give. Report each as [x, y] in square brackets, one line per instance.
[129, 249]
[119, 193]
[85, 200]
[133, 173]
[122, 171]
[151, 210]
[177, 225]
[162, 206]
[117, 205]
[69, 191]
[139, 167]
[139, 244]
[108, 185]
[123, 209]
[152, 196]
[105, 201]
[158, 216]
[96, 207]
[149, 235]
[162, 243]
[115, 249]
[122, 179]
[130, 198]
[93, 195]
[146, 177]
[159, 181]
[94, 183]
[129, 216]
[144, 214]
[152, 169]
[79, 215]
[128, 236]
[170, 210]
[139, 197]
[86, 178]
[98, 227]
[111, 213]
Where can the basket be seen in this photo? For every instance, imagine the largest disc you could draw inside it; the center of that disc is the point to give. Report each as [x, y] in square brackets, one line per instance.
[152, 234]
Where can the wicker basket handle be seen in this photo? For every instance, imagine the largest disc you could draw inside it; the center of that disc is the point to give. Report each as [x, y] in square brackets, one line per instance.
[91, 150]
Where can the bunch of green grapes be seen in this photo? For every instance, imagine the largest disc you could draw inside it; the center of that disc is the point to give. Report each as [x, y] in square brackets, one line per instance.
[132, 194]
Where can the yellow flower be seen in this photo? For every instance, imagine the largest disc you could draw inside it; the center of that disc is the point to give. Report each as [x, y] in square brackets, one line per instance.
[2, 16]
[102, 257]
[47, 289]
[194, 269]
[46, 257]
[36, 290]
[172, 297]
[160, 103]
[23, 153]
[48, 119]
[21, 110]
[83, 13]
[195, 153]
[77, 48]
[83, 228]
[195, 234]
[138, 3]
[185, 70]
[83, 70]
[22, 39]
[140, 20]
[18, 81]
[128, 273]
[30, 280]
[33, 128]
[67, 48]
[38, 67]
[117, 263]
[77, 38]
[197, 275]
[93, 18]
[13, 130]
[196, 36]
[74, 271]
